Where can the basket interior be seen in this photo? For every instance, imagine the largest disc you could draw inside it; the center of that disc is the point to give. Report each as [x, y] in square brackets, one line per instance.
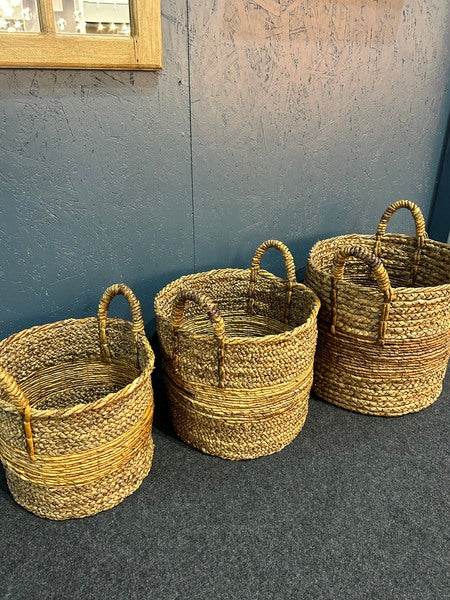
[79, 382]
[60, 366]
[238, 325]
[398, 253]
[229, 290]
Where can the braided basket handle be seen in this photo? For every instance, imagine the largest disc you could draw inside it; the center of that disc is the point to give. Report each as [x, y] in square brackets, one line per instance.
[13, 390]
[419, 221]
[136, 315]
[254, 272]
[214, 315]
[380, 274]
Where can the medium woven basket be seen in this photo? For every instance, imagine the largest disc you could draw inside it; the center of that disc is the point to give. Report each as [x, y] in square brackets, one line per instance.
[384, 329]
[240, 388]
[76, 408]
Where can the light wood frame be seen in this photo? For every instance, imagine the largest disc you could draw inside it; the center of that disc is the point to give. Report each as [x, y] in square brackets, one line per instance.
[50, 50]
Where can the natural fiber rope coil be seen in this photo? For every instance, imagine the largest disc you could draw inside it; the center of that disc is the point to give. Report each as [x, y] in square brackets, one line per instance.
[384, 328]
[76, 408]
[240, 388]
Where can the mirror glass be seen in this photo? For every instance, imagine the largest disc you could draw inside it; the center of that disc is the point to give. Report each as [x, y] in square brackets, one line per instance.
[18, 15]
[107, 17]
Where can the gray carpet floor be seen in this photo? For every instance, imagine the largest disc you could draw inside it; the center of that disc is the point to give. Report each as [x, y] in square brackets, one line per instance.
[356, 507]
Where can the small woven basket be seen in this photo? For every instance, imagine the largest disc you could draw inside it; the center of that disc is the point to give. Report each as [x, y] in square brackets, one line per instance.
[240, 388]
[76, 408]
[384, 330]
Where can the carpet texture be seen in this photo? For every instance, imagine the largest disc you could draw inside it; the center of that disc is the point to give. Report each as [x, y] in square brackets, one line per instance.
[356, 507]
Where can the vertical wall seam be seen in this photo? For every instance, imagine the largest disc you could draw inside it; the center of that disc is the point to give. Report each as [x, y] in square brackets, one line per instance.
[435, 226]
[188, 37]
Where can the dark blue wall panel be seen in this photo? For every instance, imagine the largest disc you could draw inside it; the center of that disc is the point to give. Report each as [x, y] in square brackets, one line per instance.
[309, 117]
[440, 216]
[95, 184]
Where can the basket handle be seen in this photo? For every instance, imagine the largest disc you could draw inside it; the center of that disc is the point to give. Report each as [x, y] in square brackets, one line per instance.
[421, 233]
[380, 274]
[12, 388]
[136, 314]
[290, 273]
[215, 317]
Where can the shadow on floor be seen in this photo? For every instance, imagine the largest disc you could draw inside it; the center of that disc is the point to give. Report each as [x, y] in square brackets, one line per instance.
[161, 419]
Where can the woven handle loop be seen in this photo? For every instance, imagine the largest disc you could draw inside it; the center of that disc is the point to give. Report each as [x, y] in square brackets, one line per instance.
[290, 273]
[215, 317]
[372, 261]
[421, 233]
[394, 207]
[136, 314]
[13, 390]
[380, 274]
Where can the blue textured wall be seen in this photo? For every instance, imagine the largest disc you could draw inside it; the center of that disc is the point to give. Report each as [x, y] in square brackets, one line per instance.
[289, 119]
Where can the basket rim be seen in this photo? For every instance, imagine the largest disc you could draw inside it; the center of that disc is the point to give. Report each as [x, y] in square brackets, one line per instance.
[399, 237]
[80, 407]
[236, 340]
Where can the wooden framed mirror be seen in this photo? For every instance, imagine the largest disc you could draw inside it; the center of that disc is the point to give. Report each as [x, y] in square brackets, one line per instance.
[80, 34]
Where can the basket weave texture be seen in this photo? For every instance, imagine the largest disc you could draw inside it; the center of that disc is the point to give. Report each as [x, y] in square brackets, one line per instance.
[238, 350]
[384, 327]
[76, 408]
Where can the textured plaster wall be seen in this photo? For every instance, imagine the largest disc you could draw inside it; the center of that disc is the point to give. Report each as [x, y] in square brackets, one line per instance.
[309, 116]
[289, 119]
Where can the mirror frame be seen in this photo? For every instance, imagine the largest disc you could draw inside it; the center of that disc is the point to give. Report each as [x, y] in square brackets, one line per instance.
[50, 50]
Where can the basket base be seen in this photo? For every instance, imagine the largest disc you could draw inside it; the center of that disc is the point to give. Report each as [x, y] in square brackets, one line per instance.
[75, 502]
[241, 441]
[379, 411]
[391, 380]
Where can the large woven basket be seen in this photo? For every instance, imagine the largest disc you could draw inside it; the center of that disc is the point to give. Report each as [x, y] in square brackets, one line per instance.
[76, 408]
[240, 388]
[384, 329]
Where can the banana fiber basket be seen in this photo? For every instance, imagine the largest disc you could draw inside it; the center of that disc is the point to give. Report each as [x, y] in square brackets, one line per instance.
[76, 408]
[384, 325]
[238, 386]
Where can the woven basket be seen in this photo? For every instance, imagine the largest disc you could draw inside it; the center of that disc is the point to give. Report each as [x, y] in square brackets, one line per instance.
[238, 389]
[384, 330]
[76, 408]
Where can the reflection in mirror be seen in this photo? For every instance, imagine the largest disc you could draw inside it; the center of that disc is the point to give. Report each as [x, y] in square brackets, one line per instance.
[18, 15]
[106, 17]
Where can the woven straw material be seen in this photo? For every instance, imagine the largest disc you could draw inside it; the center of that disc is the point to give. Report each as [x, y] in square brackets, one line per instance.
[384, 324]
[76, 408]
[238, 351]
